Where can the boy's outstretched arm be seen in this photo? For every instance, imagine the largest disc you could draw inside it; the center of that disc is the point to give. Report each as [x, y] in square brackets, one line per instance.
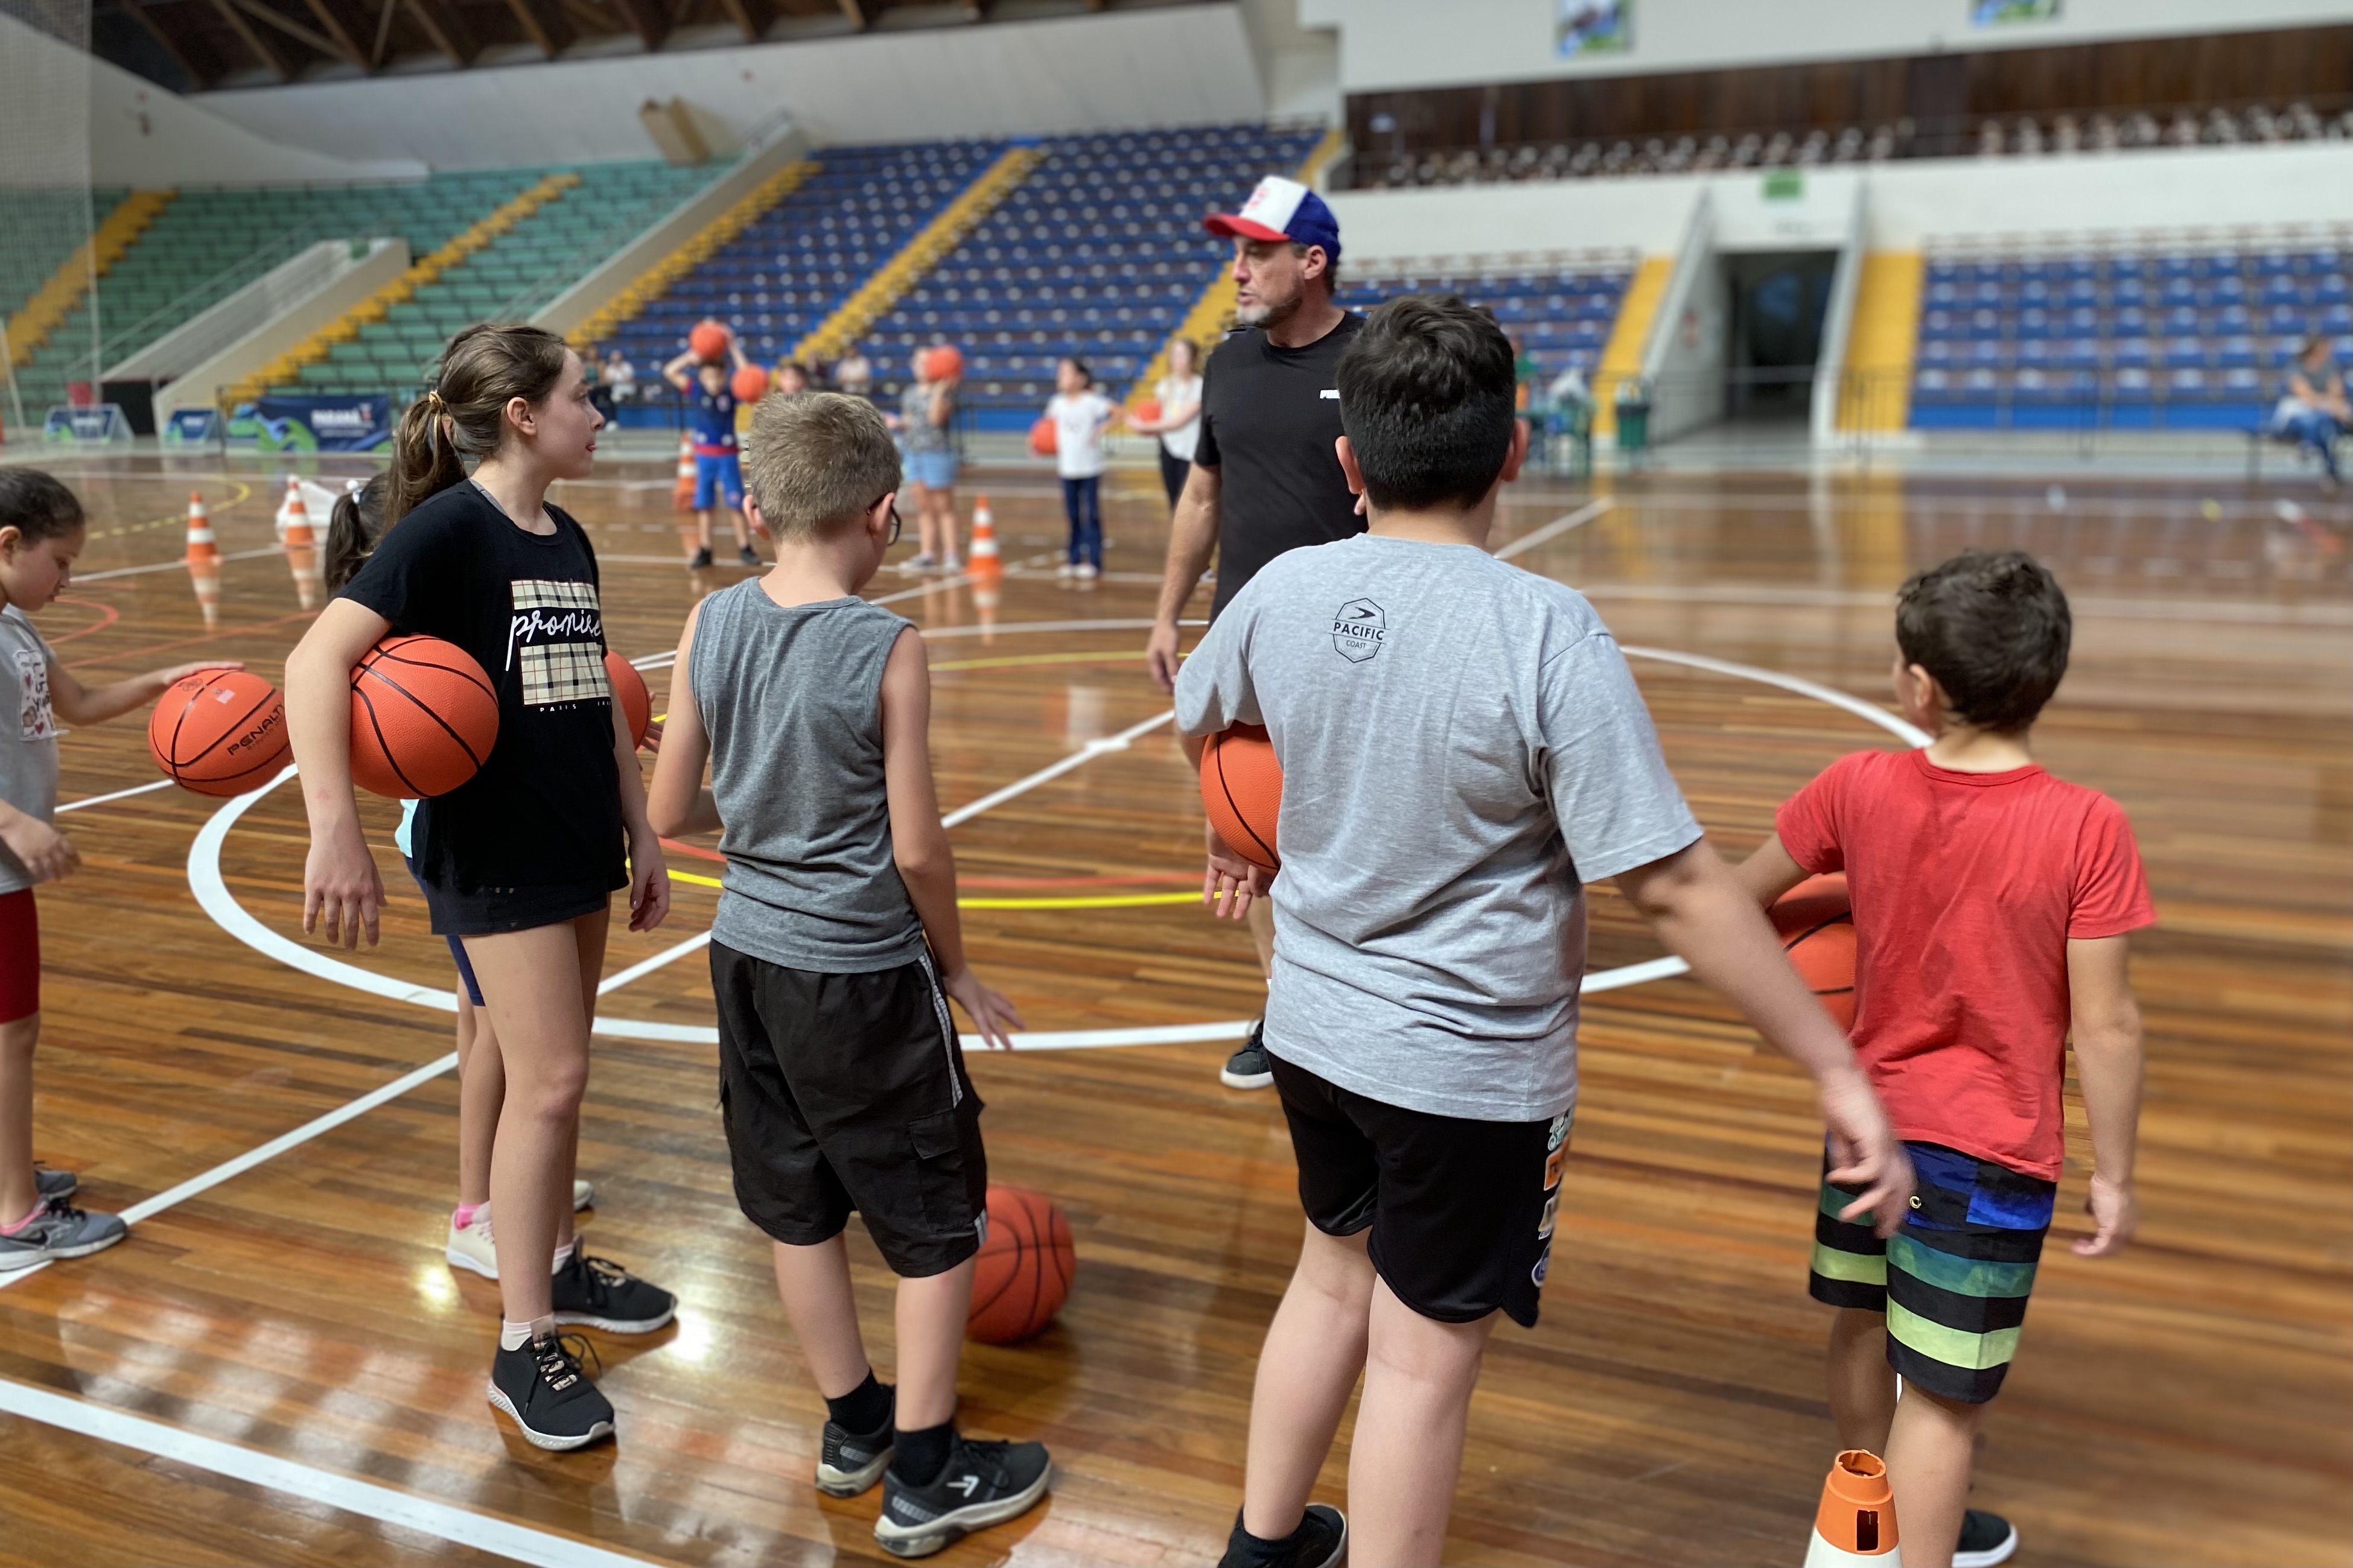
[79, 704]
[1768, 872]
[679, 803]
[1710, 921]
[2107, 1031]
[919, 844]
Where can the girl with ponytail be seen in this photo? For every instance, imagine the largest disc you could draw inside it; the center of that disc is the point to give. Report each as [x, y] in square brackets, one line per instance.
[519, 863]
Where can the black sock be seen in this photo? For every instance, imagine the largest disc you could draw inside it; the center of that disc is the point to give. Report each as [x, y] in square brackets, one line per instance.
[923, 1454]
[866, 1409]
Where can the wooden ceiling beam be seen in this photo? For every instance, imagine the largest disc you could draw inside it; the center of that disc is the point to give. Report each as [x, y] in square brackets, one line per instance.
[861, 13]
[267, 52]
[751, 17]
[169, 43]
[346, 43]
[548, 27]
[647, 19]
[446, 29]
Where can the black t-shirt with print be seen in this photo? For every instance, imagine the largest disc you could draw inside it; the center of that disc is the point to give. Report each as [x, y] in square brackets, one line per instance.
[1268, 418]
[545, 809]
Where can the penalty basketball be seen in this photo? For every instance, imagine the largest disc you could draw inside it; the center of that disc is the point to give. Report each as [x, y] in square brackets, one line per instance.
[751, 384]
[942, 364]
[708, 340]
[1043, 438]
[221, 732]
[424, 718]
[1241, 788]
[629, 691]
[1023, 1273]
[1817, 927]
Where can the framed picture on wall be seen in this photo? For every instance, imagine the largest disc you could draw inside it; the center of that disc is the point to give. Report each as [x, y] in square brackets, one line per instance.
[1594, 27]
[1997, 13]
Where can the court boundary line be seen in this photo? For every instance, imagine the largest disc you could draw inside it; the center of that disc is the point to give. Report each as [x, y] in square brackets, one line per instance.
[270, 1472]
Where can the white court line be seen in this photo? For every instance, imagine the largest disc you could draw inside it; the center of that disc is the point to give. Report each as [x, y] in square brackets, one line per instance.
[118, 795]
[1909, 735]
[403, 1510]
[1084, 754]
[180, 565]
[1555, 528]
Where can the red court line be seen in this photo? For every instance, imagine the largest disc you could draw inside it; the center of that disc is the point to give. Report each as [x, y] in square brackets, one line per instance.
[1161, 880]
[185, 642]
[109, 614]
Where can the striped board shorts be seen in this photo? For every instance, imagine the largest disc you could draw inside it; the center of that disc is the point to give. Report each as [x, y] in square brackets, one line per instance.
[1954, 1280]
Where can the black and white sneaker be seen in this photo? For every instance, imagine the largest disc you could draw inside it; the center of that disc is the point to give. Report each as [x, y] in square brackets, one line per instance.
[1250, 1067]
[1986, 1538]
[849, 1464]
[51, 1184]
[1320, 1541]
[591, 1292]
[542, 1386]
[984, 1484]
[59, 1231]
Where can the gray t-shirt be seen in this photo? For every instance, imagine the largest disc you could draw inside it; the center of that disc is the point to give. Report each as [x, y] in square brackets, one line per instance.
[1463, 749]
[29, 734]
[916, 431]
[792, 699]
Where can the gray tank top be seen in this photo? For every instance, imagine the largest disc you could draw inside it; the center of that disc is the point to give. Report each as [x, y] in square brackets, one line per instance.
[792, 699]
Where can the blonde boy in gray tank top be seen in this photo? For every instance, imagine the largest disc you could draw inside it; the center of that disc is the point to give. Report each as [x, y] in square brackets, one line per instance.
[834, 953]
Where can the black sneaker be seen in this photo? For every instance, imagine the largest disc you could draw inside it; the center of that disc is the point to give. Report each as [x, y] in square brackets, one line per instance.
[48, 1183]
[1250, 1067]
[702, 557]
[542, 1386]
[1320, 1541]
[984, 1484]
[849, 1463]
[1986, 1538]
[597, 1294]
[59, 1231]
[748, 556]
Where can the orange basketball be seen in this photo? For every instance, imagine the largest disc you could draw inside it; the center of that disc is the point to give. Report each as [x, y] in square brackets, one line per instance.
[1023, 1274]
[942, 364]
[1043, 439]
[1148, 410]
[709, 339]
[1817, 927]
[750, 383]
[629, 691]
[424, 718]
[219, 733]
[1242, 785]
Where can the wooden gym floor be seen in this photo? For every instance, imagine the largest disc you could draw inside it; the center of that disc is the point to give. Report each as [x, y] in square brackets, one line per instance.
[279, 1366]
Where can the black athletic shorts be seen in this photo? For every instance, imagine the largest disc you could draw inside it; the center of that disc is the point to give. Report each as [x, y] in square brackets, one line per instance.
[1461, 1212]
[848, 1092]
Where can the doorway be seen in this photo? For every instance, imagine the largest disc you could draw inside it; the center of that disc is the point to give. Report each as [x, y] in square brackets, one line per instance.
[1775, 337]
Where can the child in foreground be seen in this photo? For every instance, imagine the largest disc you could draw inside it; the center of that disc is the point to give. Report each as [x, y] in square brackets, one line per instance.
[835, 949]
[41, 531]
[1463, 749]
[1990, 906]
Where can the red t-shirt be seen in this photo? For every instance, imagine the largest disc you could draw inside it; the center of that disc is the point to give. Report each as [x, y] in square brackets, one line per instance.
[1966, 889]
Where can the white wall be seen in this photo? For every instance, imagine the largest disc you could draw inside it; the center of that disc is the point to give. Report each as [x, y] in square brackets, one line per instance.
[1386, 43]
[142, 135]
[1905, 203]
[1185, 65]
[1301, 67]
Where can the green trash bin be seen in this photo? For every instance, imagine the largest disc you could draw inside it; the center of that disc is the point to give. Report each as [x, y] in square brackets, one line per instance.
[1634, 422]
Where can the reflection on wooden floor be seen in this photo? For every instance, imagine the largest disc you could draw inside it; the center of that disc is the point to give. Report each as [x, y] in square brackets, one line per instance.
[2184, 1403]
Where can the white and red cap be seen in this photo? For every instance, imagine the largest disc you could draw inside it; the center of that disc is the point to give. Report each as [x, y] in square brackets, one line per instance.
[1282, 209]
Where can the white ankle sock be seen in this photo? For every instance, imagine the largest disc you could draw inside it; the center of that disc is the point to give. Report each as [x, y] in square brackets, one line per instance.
[514, 1336]
[564, 1255]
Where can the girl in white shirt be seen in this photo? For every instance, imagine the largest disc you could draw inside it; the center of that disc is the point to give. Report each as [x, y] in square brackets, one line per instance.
[1179, 425]
[1080, 413]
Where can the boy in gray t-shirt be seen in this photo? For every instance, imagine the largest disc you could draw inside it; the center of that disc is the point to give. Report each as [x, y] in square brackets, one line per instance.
[1463, 749]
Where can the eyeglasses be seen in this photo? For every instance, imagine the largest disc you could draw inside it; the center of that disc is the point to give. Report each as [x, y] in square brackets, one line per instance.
[896, 526]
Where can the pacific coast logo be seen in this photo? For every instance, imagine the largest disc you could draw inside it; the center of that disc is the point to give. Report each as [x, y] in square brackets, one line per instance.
[1358, 629]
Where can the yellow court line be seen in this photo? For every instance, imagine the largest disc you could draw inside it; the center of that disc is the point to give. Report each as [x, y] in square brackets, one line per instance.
[243, 490]
[1011, 660]
[1086, 901]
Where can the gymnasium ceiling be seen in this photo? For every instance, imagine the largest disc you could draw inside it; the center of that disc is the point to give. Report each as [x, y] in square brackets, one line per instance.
[191, 44]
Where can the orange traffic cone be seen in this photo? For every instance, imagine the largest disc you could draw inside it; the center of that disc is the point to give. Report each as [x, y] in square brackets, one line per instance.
[1855, 1525]
[288, 505]
[202, 545]
[301, 551]
[987, 566]
[682, 494]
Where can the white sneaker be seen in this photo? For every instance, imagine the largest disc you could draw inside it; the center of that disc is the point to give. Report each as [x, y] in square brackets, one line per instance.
[1065, 572]
[951, 566]
[474, 1248]
[915, 565]
[1088, 572]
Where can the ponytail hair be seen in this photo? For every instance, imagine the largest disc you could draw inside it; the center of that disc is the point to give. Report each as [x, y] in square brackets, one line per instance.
[485, 367]
[355, 526]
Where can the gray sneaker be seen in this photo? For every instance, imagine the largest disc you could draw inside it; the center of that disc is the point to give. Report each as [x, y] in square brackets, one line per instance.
[60, 1232]
[51, 1184]
[1250, 1067]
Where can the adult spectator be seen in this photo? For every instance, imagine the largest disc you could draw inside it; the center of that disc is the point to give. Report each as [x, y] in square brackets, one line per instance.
[621, 377]
[853, 374]
[2312, 410]
[1265, 475]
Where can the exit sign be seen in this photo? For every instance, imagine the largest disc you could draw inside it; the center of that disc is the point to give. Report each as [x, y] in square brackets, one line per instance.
[1784, 185]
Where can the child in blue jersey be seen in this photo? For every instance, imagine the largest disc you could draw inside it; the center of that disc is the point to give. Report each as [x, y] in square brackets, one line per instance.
[711, 421]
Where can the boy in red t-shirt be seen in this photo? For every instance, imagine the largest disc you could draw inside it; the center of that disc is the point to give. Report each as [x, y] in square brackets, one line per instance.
[1990, 906]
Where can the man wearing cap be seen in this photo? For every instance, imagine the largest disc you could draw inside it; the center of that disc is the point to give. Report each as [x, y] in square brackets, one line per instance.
[1266, 477]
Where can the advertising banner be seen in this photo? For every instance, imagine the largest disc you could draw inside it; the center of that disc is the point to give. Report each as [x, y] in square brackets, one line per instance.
[69, 425]
[344, 424]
